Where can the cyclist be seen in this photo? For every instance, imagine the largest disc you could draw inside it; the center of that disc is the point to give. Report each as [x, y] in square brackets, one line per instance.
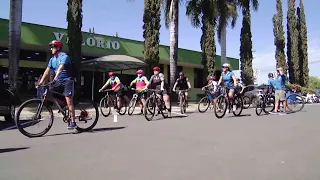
[183, 83]
[141, 81]
[229, 80]
[212, 85]
[61, 64]
[117, 87]
[157, 81]
[280, 94]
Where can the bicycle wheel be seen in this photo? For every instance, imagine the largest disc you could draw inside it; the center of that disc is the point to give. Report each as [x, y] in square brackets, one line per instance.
[182, 104]
[162, 107]
[260, 106]
[221, 106]
[150, 108]
[105, 106]
[123, 109]
[269, 104]
[294, 100]
[206, 103]
[132, 105]
[237, 101]
[33, 117]
[246, 102]
[87, 115]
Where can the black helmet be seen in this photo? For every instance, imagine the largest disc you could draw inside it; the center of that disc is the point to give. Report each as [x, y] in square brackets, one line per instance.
[181, 73]
[270, 75]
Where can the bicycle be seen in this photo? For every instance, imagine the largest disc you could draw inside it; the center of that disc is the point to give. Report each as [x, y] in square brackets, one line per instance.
[206, 101]
[182, 100]
[265, 100]
[136, 96]
[108, 101]
[50, 98]
[156, 104]
[224, 98]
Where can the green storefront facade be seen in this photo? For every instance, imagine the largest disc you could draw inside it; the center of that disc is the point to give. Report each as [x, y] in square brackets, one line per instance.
[35, 53]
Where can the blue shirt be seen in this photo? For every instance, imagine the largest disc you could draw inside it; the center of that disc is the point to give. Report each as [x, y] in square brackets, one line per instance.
[56, 61]
[269, 81]
[227, 79]
[279, 82]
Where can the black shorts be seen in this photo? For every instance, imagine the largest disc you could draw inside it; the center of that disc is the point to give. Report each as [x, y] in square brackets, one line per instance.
[122, 92]
[65, 87]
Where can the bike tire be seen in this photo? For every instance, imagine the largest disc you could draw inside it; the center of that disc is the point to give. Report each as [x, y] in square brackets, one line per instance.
[95, 121]
[300, 97]
[146, 111]
[246, 102]
[259, 107]
[204, 100]
[162, 107]
[240, 102]
[220, 99]
[132, 106]
[266, 101]
[182, 104]
[20, 126]
[124, 106]
[103, 102]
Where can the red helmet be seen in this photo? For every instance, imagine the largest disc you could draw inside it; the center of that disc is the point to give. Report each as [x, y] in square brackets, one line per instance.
[212, 78]
[111, 73]
[156, 68]
[140, 71]
[56, 43]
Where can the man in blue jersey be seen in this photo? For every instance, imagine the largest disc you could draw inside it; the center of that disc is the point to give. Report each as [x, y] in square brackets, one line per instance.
[61, 64]
[279, 83]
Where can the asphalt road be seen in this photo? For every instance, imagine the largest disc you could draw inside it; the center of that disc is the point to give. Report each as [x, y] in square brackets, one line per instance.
[199, 146]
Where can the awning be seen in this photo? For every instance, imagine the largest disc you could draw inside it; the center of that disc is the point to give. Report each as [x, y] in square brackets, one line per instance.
[114, 63]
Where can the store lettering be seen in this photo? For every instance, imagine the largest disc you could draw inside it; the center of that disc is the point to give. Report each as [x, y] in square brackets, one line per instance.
[92, 41]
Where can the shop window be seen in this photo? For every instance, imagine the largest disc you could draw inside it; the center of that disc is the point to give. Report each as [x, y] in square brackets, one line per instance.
[198, 78]
[25, 54]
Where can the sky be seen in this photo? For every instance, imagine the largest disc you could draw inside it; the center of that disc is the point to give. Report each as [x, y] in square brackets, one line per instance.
[125, 18]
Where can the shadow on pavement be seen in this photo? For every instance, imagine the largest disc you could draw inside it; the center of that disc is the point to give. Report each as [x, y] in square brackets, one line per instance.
[106, 129]
[242, 115]
[5, 150]
[4, 125]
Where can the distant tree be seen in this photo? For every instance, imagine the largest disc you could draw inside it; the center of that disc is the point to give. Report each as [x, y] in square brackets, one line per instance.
[292, 43]
[303, 46]
[314, 82]
[279, 38]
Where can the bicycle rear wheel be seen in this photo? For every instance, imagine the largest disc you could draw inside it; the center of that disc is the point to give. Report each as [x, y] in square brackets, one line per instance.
[246, 102]
[206, 103]
[26, 117]
[150, 108]
[132, 106]
[221, 106]
[269, 104]
[237, 101]
[105, 106]
[123, 109]
[260, 106]
[87, 115]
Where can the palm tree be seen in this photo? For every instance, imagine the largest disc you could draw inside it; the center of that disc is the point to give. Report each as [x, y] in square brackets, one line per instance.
[15, 19]
[227, 10]
[171, 11]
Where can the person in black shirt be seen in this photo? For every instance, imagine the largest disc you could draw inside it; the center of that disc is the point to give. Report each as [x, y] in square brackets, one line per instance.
[183, 83]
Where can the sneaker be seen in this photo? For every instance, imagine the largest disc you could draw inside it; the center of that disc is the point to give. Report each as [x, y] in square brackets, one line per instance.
[273, 113]
[234, 108]
[72, 125]
[282, 113]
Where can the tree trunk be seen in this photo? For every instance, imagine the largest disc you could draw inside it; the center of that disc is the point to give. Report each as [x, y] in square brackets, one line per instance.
[174, 24]
[15, 19]
[224, 45]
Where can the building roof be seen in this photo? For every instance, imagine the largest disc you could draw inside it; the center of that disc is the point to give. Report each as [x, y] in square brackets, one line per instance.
[100, 45]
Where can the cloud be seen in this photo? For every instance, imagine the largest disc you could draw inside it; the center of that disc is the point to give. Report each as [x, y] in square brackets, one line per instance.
[265, 61]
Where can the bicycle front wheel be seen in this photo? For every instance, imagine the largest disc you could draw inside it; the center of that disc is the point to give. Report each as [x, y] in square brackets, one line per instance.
[132, 106]
[105, 106]
[205, 102]
[31, 114]
[260, 106]
[87, 115]
[182, 104]
[221, 106]
[246, 102]
[295, 102]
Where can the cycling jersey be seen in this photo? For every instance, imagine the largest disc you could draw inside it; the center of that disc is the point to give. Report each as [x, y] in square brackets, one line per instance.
[113, 82]
[182, 83]
[227, 79]
[61, 59]
[141, 82]
[156, 80]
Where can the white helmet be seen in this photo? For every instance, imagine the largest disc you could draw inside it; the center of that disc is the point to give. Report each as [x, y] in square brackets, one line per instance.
[226, 65]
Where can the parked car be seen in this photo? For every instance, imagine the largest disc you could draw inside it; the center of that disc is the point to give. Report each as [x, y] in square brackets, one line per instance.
[7, 103]
[251, 92]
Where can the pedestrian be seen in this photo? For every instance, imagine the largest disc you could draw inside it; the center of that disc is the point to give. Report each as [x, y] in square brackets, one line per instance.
[279, 84]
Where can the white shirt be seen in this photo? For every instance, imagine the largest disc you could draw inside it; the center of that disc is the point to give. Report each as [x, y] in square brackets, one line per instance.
[214, 86]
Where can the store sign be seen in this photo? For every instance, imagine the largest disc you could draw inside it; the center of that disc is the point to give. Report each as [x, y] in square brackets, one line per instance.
[92, 41]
